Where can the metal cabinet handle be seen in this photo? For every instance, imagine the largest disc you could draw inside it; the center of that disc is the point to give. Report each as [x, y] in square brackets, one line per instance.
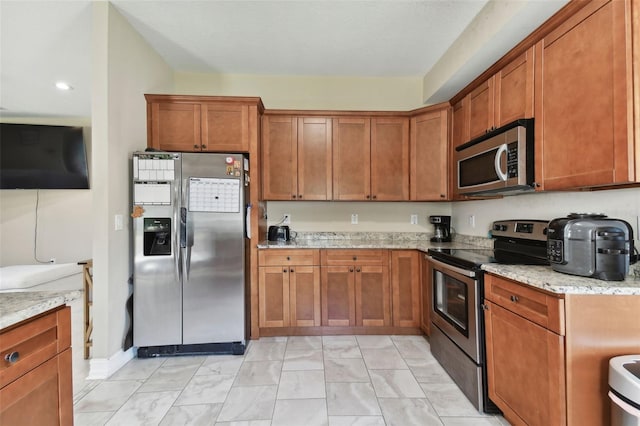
[12, 357]
[514, 299]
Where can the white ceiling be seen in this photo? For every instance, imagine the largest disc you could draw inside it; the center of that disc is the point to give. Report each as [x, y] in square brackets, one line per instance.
[42, 42]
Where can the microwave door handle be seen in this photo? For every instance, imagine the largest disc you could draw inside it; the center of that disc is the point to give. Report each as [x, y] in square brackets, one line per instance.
[502, 150]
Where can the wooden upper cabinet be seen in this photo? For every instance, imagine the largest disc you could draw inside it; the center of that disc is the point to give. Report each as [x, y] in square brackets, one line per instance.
[199, 123]
[429, 156]
[584, 99]
[296, 158]
[351, 159]
[481, 109]
[174, 127]
[504, 97]
[314, 158]
[279, 157]
[389, 159]
[225, 127]
[460, 123]
[513, 90]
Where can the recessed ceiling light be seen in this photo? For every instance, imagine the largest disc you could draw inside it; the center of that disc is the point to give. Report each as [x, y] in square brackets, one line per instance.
[63, 86]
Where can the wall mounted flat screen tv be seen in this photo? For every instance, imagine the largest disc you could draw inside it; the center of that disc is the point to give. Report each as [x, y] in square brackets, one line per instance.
[42, 157]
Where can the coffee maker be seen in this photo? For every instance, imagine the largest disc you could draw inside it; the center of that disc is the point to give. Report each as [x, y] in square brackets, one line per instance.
[441, 228]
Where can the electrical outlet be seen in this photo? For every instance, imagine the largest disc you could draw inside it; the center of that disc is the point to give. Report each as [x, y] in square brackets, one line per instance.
[414, 219]
[354, 218]
[52, 260]
[118, 222]
[472, 220]
[287, 219]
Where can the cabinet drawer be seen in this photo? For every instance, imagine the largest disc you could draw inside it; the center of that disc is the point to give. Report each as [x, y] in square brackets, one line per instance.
[536, 306]
[354, 257]
[34, 342]
[279, 257]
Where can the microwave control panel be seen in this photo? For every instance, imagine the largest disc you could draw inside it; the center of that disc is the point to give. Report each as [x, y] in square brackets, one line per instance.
[512, 160]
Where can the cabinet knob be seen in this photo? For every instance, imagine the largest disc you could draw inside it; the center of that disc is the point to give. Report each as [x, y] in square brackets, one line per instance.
[442, 196]
[12, 357]
[350, 269]
[514, 298]
[196, 146]
[300, 196]
[204, 147]
[374, 197]
[358, 270]
[288, 258]
[355, 257]
[284, 270]
[294, 196]
[368, 196]
[291, 270]
[484, 307]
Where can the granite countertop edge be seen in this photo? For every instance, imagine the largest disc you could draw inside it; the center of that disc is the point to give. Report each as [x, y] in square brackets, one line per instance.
[22, 305]
[545, 278]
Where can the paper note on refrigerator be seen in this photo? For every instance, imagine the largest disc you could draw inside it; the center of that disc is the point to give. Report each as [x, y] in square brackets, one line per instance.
[158, 193]
[214, 195]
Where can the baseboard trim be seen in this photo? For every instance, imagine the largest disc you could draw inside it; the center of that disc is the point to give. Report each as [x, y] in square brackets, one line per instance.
[103, 368]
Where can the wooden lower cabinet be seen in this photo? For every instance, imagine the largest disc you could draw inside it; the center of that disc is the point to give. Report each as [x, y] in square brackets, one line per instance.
[36, 389]
[289, 293]
[425, 294]
[355, 288]
[405, 285]
[548, 354]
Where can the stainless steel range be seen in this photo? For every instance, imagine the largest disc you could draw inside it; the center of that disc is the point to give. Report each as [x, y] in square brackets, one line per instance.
[457, 338]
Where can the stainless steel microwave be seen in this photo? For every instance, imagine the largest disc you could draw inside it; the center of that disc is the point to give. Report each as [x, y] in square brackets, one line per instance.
[500, 162]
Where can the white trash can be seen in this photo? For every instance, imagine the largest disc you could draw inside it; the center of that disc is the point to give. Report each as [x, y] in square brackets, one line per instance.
[624, 390]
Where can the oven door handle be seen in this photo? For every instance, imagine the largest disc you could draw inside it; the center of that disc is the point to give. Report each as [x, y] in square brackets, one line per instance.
[465, 272]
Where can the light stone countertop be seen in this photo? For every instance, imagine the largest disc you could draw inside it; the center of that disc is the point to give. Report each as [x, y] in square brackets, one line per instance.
[542, 277]
[545, 278]
[21, 305]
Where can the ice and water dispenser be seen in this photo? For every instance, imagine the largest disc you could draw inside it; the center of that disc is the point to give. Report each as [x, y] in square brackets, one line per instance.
[157, 236]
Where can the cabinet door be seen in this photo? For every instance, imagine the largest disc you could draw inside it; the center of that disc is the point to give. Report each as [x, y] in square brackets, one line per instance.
[43, 396]
[273, 289]
[481, 109]
[425, 295]
[351, 159]
[583, 100]
[314, 159]
[405, 284]
[514, 90]
[225, 127]
[460, 122]
[372, 301]
[429, 156]
[338, 296]
[525, 369]
[279, 158]
[390, 159]
[174, 126]
[304, 295]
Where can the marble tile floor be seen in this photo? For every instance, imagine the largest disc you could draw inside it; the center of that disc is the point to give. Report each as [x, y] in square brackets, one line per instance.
[297, 381]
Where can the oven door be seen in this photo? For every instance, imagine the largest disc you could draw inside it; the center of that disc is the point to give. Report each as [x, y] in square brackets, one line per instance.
[455, 306]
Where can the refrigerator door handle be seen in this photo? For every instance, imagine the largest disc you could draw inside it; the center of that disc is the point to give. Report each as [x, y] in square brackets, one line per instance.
[186, 242]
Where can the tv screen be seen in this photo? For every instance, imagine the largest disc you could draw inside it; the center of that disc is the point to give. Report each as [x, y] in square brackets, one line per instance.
[42, 157]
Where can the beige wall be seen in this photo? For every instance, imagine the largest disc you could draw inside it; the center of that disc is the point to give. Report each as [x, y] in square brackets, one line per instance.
[317, 93]
[124, 67]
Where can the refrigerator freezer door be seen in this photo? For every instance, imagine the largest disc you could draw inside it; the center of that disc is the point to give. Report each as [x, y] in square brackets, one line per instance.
[213, 280]
[157, 293]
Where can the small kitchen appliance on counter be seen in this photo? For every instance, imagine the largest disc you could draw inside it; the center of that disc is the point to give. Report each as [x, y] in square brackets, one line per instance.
[441, 228]
[590, 245]
[279, 233]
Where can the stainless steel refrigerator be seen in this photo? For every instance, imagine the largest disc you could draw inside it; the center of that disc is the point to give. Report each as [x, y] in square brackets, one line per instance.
[189, 253]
